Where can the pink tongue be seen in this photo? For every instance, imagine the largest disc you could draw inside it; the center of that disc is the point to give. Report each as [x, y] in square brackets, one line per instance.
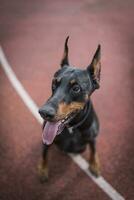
[50, 131]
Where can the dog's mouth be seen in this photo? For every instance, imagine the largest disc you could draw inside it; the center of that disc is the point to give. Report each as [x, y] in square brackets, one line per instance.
[52, 129]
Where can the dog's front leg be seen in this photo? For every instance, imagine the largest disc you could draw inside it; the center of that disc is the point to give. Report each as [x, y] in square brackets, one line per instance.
[43, 165]
[94, 159]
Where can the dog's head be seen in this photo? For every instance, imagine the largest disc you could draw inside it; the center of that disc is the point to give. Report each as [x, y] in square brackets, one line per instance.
[71, 89]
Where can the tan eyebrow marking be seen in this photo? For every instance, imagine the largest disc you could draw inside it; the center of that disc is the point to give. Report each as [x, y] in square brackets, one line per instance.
[73, 81]
[57, 80]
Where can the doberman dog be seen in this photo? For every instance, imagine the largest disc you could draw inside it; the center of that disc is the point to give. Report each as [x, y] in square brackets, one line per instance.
[70, 120]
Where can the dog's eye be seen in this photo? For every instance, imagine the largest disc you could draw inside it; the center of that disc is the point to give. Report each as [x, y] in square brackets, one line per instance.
[54, 84]
[76, 88]
[53, 87]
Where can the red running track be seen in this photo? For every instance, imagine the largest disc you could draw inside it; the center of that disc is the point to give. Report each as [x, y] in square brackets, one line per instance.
[32, 36]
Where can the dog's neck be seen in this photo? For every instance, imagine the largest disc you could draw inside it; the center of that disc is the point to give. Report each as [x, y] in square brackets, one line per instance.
[81, 118]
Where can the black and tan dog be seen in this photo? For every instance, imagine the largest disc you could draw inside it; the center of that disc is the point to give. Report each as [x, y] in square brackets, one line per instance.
[69, 117]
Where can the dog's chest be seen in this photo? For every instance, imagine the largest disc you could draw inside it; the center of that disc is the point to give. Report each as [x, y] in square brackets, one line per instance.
[71, 141]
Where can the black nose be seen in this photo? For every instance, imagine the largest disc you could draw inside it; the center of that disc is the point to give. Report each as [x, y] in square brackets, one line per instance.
[47, 112]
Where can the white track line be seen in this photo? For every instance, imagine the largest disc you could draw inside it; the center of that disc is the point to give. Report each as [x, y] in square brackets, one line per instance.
[79, 160]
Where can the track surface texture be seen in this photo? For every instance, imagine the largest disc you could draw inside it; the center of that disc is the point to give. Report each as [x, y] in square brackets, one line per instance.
[32, 34]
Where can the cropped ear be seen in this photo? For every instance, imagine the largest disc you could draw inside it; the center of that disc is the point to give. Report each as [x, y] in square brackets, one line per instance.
[64, 60]
[94, 68]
